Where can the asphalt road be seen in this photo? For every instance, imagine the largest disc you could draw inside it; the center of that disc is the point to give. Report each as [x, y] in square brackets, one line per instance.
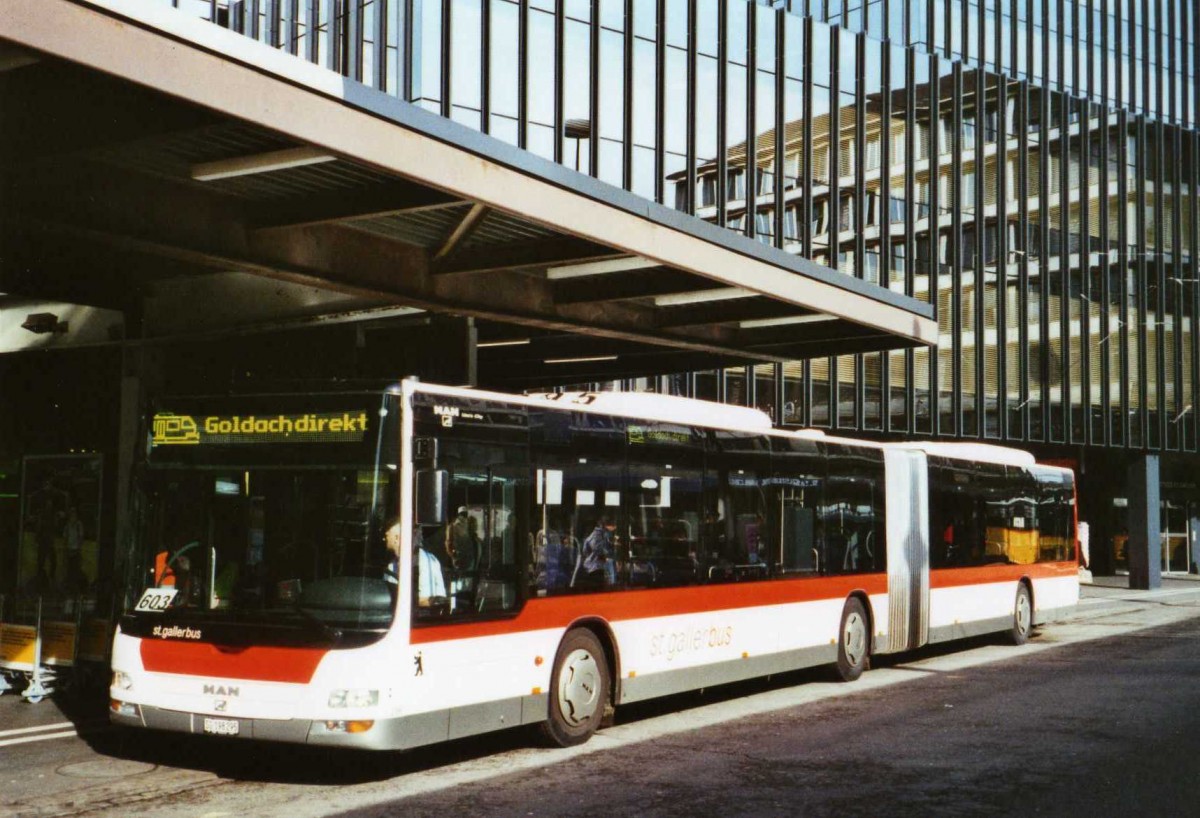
[1095, 717]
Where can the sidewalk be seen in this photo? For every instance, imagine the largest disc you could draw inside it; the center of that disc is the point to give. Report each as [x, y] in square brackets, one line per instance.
[1102, 595]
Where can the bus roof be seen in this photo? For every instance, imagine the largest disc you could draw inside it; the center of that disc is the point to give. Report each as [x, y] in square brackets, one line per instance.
[984, 452]
[642, 405]
[690, 411]
[669, 408]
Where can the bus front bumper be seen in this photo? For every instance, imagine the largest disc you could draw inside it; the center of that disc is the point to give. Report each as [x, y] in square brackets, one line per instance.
[396, 733]
[387, 734]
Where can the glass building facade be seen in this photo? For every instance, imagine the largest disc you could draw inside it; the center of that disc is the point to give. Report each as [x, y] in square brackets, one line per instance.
[1030, 168]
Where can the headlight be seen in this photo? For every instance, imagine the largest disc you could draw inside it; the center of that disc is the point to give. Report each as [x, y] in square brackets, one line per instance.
[122, 680]
[354, 698]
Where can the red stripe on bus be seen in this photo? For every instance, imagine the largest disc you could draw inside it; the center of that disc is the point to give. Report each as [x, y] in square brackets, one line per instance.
[560, 611]
[255, 663]
[988, 574]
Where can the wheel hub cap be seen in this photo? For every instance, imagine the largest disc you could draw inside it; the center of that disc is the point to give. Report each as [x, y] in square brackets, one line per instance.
[579, 687]
[855, 638]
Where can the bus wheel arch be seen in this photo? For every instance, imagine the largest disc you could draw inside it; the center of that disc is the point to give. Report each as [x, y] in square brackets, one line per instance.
[1023, 613]
[854, 637]
[581, 685]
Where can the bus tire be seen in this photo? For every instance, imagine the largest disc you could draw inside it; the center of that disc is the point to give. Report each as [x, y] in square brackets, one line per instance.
[1022, 625]
[854, 641]
[579, 690]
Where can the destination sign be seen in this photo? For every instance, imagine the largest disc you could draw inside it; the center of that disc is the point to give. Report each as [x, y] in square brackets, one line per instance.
[170, 429]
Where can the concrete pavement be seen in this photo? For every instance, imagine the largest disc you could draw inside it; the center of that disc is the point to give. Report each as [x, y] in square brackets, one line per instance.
[1100, 596]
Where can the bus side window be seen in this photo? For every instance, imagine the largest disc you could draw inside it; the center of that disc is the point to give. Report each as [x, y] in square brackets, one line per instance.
[947, 528]
[742, 529]
[973, 515]
[575, 503]
[795, 495]
[663, 504]
[853, 511]
[1056, 540]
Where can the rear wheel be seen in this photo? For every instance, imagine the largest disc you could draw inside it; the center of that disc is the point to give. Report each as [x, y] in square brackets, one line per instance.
[854, 641]
[579, 690]
[1022, 625]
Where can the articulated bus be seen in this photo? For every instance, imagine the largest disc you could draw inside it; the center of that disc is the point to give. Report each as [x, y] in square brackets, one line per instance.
[563, 555]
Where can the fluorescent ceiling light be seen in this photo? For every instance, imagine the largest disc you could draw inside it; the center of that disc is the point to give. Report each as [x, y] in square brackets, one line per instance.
[513, 343]
[580, 360]
[703, 296]
[595, 268]
[755, 323]
[260, 163]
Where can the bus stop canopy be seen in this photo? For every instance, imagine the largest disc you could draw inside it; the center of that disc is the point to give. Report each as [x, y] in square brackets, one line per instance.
[195, 182]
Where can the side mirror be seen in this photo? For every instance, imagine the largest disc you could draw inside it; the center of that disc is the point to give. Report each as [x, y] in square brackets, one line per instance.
[433, 486]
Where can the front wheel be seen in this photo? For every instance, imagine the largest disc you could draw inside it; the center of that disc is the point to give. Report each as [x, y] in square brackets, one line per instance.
[854, 642]
[1022, 625]
[579, 690]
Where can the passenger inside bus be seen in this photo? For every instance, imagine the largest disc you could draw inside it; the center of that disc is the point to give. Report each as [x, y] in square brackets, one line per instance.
[174, 570]
[429, 584]
[462, 548]
[462, 541]
[596, 564]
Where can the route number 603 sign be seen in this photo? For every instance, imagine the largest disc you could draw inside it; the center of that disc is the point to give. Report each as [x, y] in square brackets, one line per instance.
[155, 600]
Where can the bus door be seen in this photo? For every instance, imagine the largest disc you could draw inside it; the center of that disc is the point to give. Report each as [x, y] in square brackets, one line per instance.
[479, 548]
[907, 549]
[502, 551]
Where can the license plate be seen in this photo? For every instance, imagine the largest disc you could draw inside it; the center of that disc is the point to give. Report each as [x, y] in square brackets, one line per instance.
[221, 727]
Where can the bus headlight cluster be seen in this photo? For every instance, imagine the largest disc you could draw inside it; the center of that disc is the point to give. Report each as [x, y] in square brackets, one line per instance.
[354, 698]
[122, 680]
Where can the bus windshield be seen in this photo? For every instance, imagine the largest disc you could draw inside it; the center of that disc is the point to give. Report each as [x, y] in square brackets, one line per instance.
[268, 512]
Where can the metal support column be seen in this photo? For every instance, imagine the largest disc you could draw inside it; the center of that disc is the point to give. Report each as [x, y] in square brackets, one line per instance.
[1145, 536]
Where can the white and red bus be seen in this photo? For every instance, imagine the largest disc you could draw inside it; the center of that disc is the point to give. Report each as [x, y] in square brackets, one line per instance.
[564, 555]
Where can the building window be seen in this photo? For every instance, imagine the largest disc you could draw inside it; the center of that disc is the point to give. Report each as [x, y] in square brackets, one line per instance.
[871, 263]
[821, 165]
[735, 185]
[762, 227]
[791, 170]
[846, 154]
[899, 260]
[791, 223]
[872, 209]
[681, 197]
[846, 221]
[820, 217]
[968, 129]
[872, 154]
[766, 181]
